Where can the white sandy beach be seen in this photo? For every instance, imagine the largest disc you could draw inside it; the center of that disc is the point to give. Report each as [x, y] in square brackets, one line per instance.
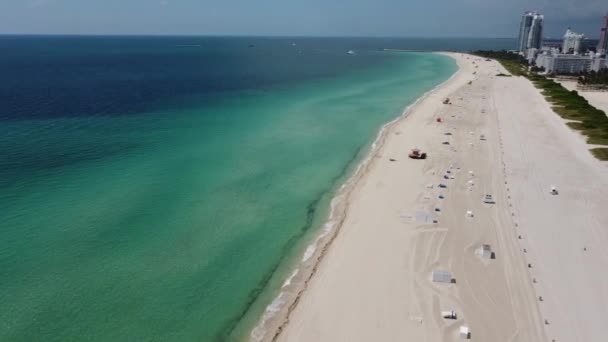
[374, 281]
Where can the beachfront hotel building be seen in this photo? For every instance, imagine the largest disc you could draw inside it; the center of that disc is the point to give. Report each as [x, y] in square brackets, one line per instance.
[572, 42]
[602, 47]
[530, 32]
[559, 63]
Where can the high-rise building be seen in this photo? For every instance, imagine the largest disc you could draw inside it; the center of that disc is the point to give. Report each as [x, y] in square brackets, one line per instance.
[535, 39]
[524, 31]
[572, 42]
[602, 47]
[530, 31]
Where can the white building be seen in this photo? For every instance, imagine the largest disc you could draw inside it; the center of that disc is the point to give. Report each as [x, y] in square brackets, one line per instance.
[556, 63]
[532, 54]
[572, 42]
[599, 64]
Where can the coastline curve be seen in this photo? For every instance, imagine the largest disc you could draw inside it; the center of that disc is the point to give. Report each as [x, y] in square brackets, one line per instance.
[276, 314]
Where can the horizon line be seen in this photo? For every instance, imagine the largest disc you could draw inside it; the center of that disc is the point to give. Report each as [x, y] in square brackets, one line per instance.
[239, 36]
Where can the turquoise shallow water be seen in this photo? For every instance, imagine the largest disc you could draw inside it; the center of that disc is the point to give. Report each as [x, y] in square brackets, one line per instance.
[167, 224]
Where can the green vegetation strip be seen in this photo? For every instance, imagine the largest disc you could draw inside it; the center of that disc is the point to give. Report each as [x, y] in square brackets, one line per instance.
[570, 105]
[600, 153]
[599, 78]
[591, 121]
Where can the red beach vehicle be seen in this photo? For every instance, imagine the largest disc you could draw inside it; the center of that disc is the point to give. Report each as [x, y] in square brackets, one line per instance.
[439, 120]
[417, 154]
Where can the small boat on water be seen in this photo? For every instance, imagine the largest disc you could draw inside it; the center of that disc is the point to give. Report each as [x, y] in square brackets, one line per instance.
[351, 52]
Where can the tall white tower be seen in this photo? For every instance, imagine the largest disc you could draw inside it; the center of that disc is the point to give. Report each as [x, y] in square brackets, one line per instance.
[572, 42]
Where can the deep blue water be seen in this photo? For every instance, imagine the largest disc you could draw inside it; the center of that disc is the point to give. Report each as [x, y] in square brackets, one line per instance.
[51, 76]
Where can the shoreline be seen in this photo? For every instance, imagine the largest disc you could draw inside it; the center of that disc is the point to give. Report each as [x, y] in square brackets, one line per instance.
[276, 315]
[521, 266]
[396, 231]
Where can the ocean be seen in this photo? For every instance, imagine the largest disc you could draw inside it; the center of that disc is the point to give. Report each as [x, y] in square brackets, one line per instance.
[158, 188]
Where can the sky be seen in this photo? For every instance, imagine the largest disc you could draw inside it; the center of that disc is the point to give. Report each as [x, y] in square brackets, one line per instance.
[394, 18]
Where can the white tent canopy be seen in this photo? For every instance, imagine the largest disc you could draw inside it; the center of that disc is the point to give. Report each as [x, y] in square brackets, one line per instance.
[442, 276]
[485, 251]
[464, 332]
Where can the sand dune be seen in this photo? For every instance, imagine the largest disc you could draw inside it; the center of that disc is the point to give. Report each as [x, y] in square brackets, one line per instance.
[374, 282]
